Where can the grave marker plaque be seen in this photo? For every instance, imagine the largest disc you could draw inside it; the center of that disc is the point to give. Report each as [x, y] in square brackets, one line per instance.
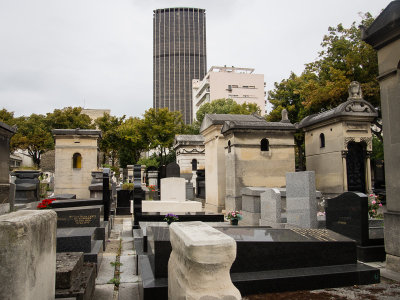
[86, 216]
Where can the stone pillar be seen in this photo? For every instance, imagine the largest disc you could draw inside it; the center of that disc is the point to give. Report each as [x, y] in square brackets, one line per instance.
[6, 132]
[384, 36]
[28, 255]
[368, 173]
[143, 175]
[199, 265]
[301, 201]
[345, 188]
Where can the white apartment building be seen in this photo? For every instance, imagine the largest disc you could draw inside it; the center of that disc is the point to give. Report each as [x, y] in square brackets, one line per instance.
[239, 84]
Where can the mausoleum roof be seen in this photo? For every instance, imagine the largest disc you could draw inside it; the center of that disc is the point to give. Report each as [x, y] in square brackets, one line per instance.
[188, 139]
[76, 131]
[355, 108]
[385, 28]
[8, 128]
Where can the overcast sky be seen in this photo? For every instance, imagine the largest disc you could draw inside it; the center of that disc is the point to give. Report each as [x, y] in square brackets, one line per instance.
[98, 53]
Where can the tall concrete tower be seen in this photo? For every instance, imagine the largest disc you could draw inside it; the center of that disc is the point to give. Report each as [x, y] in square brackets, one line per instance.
[179, 55]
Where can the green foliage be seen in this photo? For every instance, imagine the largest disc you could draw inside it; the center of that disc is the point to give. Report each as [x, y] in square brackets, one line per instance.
[131, 134]
[152, 161]
[160, 128]
[377, 149]
[127, 186]
[114, 281]
[116, 263]
[324, 83]
[7, 117]
[69, 118]
[111, 140]
[225, 106]
[33, 135]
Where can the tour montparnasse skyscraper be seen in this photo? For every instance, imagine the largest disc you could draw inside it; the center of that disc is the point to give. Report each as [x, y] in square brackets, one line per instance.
[179, 55]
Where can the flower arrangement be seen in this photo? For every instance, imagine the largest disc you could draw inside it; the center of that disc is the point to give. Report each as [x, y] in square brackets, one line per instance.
[152, 188]
[373, 205]
[234, 215]
[171, 218]
[45, 204]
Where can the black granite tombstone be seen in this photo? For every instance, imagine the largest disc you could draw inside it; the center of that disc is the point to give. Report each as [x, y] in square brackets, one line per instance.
[347, 214]
[173, 170]
[64, 196]
[106, 193]
[201, 184]
[138, 195]
[268, 260]
[73, 203]
[85, 216]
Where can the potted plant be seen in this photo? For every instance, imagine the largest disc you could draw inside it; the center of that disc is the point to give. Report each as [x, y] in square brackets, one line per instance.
[171, 218]
[152, 192]
[234, 217]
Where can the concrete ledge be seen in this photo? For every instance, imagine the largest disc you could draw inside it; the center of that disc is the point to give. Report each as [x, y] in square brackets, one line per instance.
[171, 206]
[28, 254]
[199, 265]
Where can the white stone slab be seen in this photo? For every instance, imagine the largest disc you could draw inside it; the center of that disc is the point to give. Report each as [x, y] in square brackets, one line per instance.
[199, 265]
[171, 206]
[173, 189]
[271, 205]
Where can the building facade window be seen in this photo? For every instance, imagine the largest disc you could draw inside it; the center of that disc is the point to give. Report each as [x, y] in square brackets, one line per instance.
[264, 145]
[322, 140]
[194, 164]
[77, 161]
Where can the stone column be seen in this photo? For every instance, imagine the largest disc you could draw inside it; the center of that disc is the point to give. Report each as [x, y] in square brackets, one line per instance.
[6, 132]
[368, 173]
[28, 255]
[344, 154]
[199, 265]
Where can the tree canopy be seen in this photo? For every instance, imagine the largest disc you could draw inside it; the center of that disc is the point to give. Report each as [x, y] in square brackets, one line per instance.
[324, 83]
[224, 106]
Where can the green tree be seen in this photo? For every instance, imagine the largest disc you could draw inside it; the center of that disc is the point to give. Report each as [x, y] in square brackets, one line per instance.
[131, 134]
[225, 106]
[33, 135]
[324, 83]
[110, 142]
[69, 118]
[160, 128]
[7, 117]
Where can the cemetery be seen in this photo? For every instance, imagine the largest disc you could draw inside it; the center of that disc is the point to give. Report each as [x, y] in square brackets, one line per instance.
[229, 217]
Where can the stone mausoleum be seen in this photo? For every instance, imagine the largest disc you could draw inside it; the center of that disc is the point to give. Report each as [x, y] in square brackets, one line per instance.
[76, 156]
[190, 154]
[244, 150]
[338, 144]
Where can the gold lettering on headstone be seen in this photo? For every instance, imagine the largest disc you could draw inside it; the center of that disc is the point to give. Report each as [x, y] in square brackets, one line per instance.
[319, 234]
[82, 220]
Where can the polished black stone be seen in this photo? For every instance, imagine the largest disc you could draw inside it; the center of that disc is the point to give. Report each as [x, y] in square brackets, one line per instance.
[85, 216]
[73, 203]
[199, 216]
[173, 170]
[158, 249]
[75, 239]
[347, 214]
[124, 197]
[65, 196]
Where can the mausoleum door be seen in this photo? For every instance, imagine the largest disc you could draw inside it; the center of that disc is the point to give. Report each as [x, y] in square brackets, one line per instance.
[355, 162]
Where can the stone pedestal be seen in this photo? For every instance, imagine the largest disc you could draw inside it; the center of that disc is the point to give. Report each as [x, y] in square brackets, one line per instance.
[270, 208]
[200, 261]
[28, 255]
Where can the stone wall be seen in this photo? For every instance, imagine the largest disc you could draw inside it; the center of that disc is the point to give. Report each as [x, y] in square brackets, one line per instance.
[28, 255]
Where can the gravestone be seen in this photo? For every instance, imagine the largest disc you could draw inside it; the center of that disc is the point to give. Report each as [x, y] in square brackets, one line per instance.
[26, 186]
[6, 132]
[347, 214]
[106, 193]
[189, 195]
[96, 185]
[129, 173]
[152, 176]
[251, 210]
[138, 194]
[173, 170]
[201, 184]
[85, 216]
[173, 189]
[301, 202]
[270, 207]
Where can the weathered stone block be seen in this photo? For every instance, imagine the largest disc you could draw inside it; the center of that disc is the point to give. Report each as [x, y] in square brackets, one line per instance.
[271, 205]
[173, 189]
[251, 218]
[200, 261]
[28, 254]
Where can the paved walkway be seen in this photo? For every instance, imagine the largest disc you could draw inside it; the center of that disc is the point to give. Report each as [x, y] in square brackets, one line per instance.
[119, 248]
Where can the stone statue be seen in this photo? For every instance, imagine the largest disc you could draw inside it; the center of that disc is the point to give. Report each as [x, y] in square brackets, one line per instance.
[285, 118]
[355, 92]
